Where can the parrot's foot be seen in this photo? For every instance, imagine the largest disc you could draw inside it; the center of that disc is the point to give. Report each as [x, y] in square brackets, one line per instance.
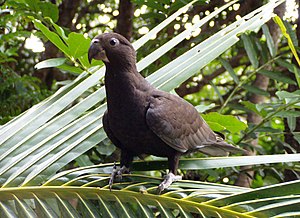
[117, 173]
[168, 180]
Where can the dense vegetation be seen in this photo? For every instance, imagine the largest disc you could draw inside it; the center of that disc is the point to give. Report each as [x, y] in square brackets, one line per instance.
[240, 72]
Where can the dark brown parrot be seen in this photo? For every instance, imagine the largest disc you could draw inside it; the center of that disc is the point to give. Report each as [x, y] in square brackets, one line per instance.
[141, 119]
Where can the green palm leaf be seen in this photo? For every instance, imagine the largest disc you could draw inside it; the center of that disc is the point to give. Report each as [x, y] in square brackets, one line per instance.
[73, 201]
[138, 194]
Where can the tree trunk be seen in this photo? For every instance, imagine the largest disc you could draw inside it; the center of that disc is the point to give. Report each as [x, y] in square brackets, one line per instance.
[124, 19]
[261, 82]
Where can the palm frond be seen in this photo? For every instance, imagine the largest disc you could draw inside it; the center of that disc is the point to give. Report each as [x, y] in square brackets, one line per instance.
[89, 195]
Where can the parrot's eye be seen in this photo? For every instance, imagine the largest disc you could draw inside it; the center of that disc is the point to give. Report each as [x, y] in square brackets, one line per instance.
[95, 41]
[113, 42]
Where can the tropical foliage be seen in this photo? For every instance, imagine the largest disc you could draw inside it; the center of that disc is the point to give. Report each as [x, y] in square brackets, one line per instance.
[64, 131]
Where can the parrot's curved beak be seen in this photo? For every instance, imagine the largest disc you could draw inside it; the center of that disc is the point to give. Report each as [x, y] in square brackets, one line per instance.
[96, 51]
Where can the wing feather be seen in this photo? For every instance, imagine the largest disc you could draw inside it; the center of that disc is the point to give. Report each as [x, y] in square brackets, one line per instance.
[180, 126]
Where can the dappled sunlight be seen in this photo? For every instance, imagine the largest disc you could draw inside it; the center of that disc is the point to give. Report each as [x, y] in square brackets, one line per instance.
[35, 44]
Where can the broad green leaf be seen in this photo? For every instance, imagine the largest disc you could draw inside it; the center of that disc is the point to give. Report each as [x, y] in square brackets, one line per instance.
[59, 30]
[250, 50]
[53, 62]
[33, 4]
[78, 44]
[215, 126]
[229, 122]
[53, 37]
[270, 42]
[278, 76]
[85, 62]
[49, 10]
